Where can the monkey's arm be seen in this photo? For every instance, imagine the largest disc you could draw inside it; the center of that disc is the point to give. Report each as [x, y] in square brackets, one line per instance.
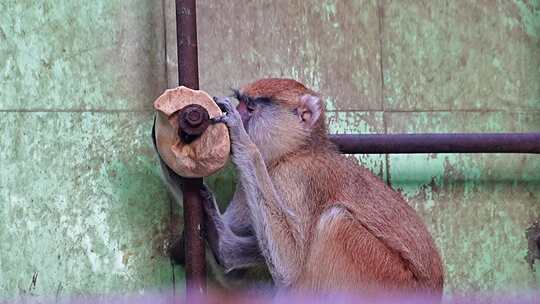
[237, 214]
[275, 225]
[231, 250]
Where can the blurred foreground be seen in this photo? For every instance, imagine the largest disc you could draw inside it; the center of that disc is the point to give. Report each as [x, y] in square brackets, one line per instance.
[262, 297]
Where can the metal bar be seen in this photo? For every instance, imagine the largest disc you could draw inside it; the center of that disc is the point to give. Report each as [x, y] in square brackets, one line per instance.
[438, 143]
[186, 41]
[195, 264]
[188, 75]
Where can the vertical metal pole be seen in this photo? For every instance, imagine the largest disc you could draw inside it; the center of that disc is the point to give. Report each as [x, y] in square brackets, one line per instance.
[188, 75]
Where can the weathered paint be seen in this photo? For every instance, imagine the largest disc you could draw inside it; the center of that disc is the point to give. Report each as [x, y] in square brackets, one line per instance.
[66, 55]
[82, 208]
[361, 122]
[461, 55]
[477, 206]
[326, 44]
[79, 179]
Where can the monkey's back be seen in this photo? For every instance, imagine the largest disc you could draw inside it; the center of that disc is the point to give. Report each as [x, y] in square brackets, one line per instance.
[364, 235]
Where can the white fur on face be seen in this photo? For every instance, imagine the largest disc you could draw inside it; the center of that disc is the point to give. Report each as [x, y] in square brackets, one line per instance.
[276, 131]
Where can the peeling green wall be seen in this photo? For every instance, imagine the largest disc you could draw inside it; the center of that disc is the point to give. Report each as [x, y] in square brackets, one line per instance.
[82, 208]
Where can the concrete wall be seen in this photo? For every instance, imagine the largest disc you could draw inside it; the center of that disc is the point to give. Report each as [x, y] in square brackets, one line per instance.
[82, 208]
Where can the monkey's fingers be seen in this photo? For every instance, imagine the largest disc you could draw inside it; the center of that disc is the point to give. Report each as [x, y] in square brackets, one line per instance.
[218, 119]
[232, 117]
[220, 104]
[206, 193]
[225, 104]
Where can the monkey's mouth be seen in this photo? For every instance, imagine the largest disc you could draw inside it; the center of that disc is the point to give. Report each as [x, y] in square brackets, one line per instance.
[244, 114]
[245, 121]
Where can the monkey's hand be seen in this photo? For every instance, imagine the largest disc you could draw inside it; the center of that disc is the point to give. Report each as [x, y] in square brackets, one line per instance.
[231, 116]
[232, 120]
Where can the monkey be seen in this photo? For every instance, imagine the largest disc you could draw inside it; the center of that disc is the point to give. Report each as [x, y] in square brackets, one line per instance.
[317, 219]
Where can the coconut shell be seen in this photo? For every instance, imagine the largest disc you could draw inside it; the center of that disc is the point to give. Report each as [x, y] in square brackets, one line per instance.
[203, 156]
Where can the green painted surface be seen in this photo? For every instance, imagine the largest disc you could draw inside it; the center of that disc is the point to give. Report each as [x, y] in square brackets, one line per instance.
[477, 206]
[71, 55]
[361, 122]
[82, 207]
[331, 45]
[461, 55]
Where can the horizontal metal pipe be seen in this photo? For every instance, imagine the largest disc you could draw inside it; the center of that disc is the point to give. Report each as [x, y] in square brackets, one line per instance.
[438, 143]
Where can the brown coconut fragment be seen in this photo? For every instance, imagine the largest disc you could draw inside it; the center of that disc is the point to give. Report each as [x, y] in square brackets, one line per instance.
[203, 156]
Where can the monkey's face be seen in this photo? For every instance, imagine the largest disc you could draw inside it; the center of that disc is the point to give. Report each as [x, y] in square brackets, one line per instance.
[252, 107]
[278, 118]
[272, 126]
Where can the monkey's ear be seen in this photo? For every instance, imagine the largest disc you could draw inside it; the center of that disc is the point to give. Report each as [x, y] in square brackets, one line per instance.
[309, 109]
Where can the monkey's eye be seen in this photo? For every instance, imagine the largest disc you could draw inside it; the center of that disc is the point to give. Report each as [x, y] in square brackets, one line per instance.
[251, 105]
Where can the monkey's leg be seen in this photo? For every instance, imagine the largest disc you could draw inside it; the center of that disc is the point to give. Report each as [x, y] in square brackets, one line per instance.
[231, 250]
[237, 214]
[277, 230]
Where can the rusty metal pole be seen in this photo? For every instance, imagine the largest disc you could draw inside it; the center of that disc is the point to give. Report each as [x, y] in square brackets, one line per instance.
[188, 75]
